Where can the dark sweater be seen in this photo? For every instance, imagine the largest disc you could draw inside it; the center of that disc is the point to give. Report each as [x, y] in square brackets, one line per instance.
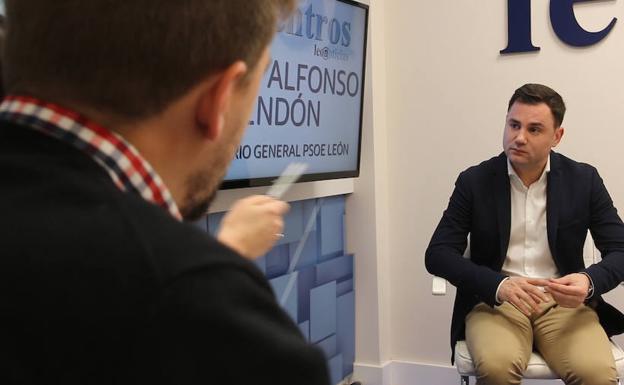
[98, 286]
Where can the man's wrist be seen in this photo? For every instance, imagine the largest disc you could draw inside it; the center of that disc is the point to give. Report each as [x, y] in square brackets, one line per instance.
[590, 289]
[233, 243]
[496, 297]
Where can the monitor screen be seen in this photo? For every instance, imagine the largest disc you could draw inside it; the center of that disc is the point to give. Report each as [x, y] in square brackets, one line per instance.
[309, 109]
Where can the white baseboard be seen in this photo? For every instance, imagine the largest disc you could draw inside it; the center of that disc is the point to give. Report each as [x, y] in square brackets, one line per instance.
[372, 374]
[404, 373]
[415, 373]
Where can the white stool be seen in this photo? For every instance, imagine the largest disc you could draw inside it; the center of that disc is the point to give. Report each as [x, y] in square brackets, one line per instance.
[537, 368]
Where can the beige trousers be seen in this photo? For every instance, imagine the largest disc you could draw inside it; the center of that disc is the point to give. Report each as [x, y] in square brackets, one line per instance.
[572, 342]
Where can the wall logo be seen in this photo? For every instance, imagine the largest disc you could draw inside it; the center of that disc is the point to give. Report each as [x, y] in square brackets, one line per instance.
[332, 53]
[311, 25]
[322, 52]
[563, 21]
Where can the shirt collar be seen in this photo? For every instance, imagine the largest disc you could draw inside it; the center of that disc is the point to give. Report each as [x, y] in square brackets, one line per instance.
[512, 172]
[126, 167]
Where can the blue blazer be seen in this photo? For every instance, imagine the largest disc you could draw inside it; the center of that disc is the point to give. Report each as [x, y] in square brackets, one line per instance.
[480, 205]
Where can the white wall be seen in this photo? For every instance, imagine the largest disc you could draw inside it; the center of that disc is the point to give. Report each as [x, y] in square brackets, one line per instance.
[440, 90]
[367, 209]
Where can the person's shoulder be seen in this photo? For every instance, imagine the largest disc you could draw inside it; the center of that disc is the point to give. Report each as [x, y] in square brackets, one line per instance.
[569, 166]
[486, 168]
[57, 190]
[144, 243]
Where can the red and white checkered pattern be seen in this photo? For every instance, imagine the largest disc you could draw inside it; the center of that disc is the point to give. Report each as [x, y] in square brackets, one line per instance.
[127, 168]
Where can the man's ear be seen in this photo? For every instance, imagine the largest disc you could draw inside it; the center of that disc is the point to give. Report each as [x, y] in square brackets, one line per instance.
[215, 99]
[558, 135]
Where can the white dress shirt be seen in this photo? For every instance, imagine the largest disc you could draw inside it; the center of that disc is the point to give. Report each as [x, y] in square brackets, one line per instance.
[528, 254]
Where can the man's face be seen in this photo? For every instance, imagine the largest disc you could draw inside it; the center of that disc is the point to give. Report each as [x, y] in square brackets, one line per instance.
[530, 134]
[203, 184]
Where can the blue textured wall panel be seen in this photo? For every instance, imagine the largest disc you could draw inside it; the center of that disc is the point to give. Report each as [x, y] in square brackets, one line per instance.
[329, 346]
[334, 269]
[343, 287]
[277, 261]
[332, 214]
[313, 279]
[306, 249]
[311, 208]
[307, 282]
[345, 332]
[285, 288]
[293, 224]
[322, 311]
[335, 369]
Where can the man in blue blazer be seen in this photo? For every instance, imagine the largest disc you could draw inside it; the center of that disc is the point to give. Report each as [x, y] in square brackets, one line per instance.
[525, 286]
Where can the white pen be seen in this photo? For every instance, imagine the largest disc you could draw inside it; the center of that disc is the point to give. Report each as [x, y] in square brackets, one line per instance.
[289, 176]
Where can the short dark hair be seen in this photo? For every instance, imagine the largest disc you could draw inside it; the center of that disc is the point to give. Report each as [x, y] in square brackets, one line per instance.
[131, 58]
[2, 37]
[533, 94]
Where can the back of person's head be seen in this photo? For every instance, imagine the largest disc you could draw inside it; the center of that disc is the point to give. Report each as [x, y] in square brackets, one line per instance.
[130, 58]
[2, 36]
[533, 94]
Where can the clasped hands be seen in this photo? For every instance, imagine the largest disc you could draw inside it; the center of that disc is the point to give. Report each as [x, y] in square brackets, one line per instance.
[526, 294]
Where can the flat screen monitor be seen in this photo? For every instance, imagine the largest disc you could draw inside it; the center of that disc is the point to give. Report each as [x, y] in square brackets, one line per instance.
[309, 109]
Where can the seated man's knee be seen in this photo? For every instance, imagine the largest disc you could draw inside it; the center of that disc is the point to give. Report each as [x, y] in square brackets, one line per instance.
[501, 369]
[591, 372]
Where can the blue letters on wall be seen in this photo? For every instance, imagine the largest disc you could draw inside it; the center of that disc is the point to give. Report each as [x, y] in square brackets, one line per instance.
[563, 21]
[568, 29]
[519, 27]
